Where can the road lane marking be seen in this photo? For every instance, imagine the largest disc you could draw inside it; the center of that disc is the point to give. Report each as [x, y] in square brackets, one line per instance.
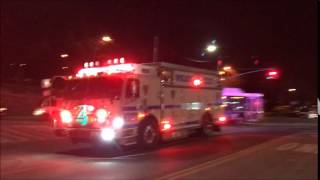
[289, 124]
[297, 147]
[216, 162]
[288, 146]
[308, 148]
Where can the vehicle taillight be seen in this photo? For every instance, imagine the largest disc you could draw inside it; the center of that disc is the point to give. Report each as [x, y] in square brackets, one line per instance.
[66, 116]
[101, 115]
[222, 119]
[165, 125]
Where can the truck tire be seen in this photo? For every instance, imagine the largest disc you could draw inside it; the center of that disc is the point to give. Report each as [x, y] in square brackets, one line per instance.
[148, 134]
[207, 126]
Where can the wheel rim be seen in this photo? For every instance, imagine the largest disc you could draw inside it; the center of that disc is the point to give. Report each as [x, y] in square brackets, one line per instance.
[149, 135]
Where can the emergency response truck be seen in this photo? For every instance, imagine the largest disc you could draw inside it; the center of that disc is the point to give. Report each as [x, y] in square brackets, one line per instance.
[138, 103]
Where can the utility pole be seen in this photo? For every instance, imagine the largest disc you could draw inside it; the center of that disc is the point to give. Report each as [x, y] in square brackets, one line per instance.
[155, 49]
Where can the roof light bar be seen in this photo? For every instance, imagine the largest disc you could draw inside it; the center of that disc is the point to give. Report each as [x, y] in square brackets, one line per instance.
[118, 68]
[108, 62]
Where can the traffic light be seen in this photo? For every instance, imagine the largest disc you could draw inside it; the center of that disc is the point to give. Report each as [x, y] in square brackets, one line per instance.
[272, 74]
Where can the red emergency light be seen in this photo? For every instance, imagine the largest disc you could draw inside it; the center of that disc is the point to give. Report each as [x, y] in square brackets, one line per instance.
[222, 120]
[108, 62]
[197, 81]
[118, 68]
[121, 61]
[165, 125]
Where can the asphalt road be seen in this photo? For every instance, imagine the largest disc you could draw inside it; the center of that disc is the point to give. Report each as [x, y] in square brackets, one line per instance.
[263, 151]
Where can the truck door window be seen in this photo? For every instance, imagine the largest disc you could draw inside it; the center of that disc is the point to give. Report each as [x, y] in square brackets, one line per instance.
[132, 89]
[57, 86]
[166, 77]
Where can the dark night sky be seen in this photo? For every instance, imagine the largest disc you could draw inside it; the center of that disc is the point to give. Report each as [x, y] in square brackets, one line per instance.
[282, 33]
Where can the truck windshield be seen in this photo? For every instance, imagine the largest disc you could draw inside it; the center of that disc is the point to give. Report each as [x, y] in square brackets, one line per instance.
[93, 88]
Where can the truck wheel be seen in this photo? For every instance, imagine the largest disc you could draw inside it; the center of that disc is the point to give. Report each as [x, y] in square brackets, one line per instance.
[148, 135]
[207, 126]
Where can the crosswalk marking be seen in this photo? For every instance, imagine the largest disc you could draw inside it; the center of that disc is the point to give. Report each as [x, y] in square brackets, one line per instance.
[37, 131]
[298, 147]
[308, 148]
[25, 134]
[13, 137]
[17, 134]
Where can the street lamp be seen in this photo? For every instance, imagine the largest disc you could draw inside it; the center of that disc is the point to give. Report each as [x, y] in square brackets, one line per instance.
[211, 48]
[222, 72]
[292, 90]
[227, 68]
[106, 39]
[64, 55]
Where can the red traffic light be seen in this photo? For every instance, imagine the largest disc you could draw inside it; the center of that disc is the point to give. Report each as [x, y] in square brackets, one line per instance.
[272, 74]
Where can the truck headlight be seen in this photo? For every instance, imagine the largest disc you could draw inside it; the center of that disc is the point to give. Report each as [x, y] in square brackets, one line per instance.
[117, 122]
[101, 115]
[107, 134]
[66, 116]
